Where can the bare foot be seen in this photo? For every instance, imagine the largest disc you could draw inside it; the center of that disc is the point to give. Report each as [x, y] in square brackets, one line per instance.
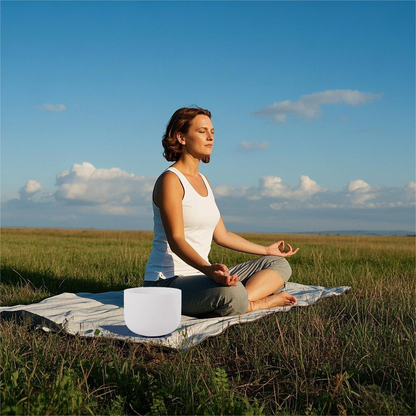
[272, 301]
[281, 299]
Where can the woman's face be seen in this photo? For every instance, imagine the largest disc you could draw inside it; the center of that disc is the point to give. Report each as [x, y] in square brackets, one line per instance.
[200, 138]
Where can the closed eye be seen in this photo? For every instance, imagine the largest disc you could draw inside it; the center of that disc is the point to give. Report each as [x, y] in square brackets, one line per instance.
[202, 130]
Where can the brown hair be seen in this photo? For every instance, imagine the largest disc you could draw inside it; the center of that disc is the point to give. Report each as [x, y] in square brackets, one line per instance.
[180, 122]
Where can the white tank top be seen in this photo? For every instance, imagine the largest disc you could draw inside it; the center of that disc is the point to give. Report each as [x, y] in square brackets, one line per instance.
[200, 217]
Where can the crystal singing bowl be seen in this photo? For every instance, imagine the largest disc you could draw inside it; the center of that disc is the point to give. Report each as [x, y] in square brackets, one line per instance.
[152, 311]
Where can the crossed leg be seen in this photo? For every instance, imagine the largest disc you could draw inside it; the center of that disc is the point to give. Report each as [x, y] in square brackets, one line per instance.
[261, 287]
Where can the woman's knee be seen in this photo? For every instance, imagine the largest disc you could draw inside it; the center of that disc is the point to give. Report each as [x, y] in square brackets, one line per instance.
[234, 300]
[280, 265]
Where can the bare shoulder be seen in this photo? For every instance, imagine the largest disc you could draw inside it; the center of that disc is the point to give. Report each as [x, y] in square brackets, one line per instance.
[167, 180]
[167, 185]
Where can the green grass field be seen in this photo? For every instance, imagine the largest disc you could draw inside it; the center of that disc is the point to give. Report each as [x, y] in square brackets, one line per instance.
[352, 354]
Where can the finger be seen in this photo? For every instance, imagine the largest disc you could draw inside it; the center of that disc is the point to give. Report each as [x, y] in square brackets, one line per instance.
[223, 281]
[291, 251]
[224, 268]
[220, 273]
[216, 267]
[231, 280]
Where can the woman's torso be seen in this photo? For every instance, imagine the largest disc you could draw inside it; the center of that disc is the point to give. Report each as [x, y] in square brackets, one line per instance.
[200, 217]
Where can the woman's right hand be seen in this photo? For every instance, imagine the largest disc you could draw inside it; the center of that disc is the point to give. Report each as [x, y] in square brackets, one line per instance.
[219, 273]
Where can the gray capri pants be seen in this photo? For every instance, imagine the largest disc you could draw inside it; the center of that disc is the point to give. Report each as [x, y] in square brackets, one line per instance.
[202, 297]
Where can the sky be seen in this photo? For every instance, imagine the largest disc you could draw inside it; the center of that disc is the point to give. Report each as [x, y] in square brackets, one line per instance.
[313, 105]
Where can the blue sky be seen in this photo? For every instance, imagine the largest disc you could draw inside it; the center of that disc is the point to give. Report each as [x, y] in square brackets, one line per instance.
[313, 105]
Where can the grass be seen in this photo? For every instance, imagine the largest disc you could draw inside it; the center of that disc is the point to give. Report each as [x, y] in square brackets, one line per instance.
[353, 354]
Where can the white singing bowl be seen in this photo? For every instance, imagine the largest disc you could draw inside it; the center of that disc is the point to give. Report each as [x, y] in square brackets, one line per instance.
[152, 311]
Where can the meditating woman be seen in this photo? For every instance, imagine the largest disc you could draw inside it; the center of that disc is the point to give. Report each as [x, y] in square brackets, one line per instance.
[186, 220]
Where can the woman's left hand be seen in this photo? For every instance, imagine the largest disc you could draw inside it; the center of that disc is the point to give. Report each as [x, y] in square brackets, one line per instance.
[279, 249]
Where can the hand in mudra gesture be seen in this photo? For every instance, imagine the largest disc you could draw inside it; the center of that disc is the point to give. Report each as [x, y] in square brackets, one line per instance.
[219, 273]
[279, 249]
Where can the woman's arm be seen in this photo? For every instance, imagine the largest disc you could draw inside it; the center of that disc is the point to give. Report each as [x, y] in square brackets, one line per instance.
[168, 195]
[227, 239]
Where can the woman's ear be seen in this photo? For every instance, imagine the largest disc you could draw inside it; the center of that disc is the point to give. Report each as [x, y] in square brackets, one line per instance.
[181, 138]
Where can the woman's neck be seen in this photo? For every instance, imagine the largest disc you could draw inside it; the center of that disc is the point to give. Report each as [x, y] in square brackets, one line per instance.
[188, 165]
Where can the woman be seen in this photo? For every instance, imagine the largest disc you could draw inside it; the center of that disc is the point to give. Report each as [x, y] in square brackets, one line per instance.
[186, 219]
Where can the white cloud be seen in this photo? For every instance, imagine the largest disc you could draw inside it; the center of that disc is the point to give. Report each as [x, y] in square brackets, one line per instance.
[411, 186]
[273, 186]
[88, 196]
[357, 194]
[309, 106]
[222, 190]
[254, 146]
[32, 186]
[307, 188]
[358, 184]
[52, 107]
[360, 192]
[360, 198]
[410, 191]
[86, 184]
[111, 209]
[278, 206]
[325, 206]
[63, 173]
[226, 190]
[30, 189]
